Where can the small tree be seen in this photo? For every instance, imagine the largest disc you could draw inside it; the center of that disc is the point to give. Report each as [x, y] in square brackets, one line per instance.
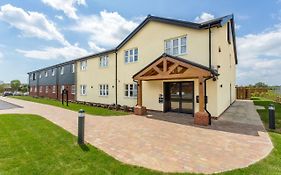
[15, 85]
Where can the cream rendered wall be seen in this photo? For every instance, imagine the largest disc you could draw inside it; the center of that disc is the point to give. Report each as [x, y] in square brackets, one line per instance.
[95, 75]
[150, 44]
[225, 94]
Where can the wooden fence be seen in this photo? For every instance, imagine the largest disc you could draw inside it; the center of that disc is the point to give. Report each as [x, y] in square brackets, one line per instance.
[247, 92]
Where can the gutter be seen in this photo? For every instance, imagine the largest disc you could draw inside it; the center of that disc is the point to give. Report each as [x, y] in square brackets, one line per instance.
[116, 77]
[205, 106]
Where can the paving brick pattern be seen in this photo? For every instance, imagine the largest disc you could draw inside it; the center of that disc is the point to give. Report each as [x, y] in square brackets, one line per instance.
[169, 142]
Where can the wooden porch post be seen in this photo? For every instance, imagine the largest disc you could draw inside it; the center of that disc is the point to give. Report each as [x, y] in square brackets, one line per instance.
[139, 101]
[139, 109]
[201, 117]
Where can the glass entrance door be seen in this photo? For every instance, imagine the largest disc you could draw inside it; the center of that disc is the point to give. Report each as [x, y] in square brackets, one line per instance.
[179, 97]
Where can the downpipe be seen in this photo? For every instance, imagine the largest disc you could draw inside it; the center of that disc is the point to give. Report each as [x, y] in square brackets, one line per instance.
[205, 106]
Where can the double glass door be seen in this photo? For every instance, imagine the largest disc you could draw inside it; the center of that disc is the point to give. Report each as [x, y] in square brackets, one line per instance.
[179, 97]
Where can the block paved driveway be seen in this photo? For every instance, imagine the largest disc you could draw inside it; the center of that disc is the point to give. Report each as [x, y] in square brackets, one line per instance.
[237, 140]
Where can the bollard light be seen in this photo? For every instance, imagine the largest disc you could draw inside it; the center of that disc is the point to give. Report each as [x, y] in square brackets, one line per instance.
[81, 126]
[271, 115]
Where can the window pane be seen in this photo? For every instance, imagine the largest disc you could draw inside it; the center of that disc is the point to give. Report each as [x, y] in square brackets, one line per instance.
[175, 42]
[175, 51]
[183, 41]
[168, 44]
[183, 49]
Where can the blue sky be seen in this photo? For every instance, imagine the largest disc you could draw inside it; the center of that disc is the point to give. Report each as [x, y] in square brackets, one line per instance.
[35, 34]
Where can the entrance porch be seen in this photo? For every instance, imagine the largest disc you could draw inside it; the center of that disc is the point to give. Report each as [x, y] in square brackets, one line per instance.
[178, 95]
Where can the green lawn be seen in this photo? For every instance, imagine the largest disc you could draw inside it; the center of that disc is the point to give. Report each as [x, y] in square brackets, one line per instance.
[73, 106]
[264, 113]
[30, 144]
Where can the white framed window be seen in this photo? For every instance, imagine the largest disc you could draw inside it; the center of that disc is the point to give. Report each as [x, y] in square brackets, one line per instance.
[46, 73]
[131, 55]
[104, 61]
[62, 88]
[103, 89]
[31, 89]
[53, 72]
[34, 76]
[73, 89]
[131, 90]
[62, 70]
[40, 76]
[73, 68]
[35, 89]
[47, 90]
[83, 89]
[176, 46]
[54, 89]
[83, 65]
[40, 89]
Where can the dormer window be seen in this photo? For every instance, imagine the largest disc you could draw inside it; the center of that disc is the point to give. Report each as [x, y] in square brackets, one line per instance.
[176, 46]
[46, 73]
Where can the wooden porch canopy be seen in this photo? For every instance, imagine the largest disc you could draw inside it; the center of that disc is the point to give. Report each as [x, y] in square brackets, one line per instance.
[168, 67]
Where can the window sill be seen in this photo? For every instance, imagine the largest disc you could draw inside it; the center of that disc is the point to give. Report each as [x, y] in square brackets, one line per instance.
[130, 97]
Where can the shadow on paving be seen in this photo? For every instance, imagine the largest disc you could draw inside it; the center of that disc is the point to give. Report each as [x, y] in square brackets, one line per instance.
[240, 118]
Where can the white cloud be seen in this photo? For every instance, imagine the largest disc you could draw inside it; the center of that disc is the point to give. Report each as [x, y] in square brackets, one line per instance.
[66, 53]
[260, 57]
[59, 17]
[67, 6]
[237, 26]
[204, 17]
[31, 24]
[106, 29]
[94, 47]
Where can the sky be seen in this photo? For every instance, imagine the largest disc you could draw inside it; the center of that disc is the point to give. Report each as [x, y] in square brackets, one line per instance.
[36, 34]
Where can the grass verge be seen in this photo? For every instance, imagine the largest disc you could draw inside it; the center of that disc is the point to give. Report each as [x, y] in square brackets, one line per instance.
[73, 106]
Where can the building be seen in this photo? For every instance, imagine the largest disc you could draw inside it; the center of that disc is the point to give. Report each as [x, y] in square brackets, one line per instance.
[50, 81]
[163, 65]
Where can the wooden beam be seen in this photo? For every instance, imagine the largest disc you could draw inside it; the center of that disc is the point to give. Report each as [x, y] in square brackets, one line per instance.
[165, 65]
[201, 95]
[139, 100]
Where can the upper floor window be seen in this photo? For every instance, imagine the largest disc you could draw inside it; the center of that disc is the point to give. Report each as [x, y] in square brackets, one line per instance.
[176, 46]
[62, 70]
[131, 55]
[83, 89]
[83, 65]
[131, 90]
[104, 61]
[73, 68]
[40, 76]
[53, 72]
[34, 76]
[104, 90]
[46, 73]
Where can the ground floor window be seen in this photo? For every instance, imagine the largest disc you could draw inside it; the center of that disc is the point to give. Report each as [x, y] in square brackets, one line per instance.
[83, 89]
[47, 89]
[30, 89]
[62, 88]
[73, 89]
[54, 89]
[103, 89]
[40, 89]
[131, 90]
[35, 89]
